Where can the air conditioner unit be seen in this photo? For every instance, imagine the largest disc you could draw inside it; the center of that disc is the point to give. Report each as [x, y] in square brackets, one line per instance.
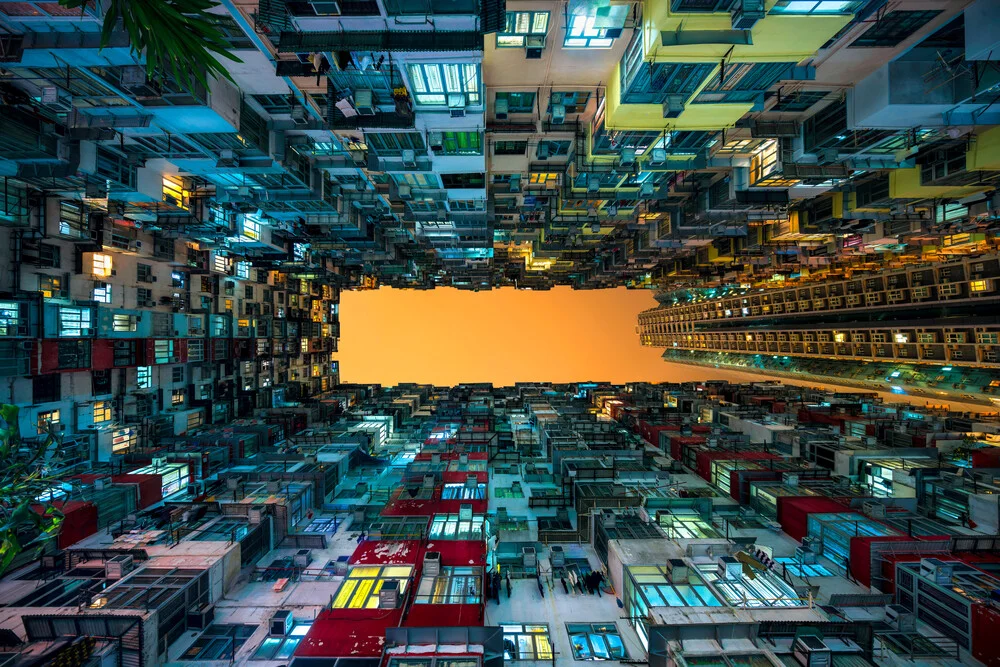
[747, 13]
[429, 481]
[608, 519]
[594, 184]
[403, 191]
[364, 102]
[500, 109]
[159, 461]
[409, 157]
[280, 624]
[937, 571]
[543, 150]
[658, 157]
[534, 46]
[805, 555]
[730, 568]
[557, 556]
[118, 566]
[432, 563]
[436, 141]
[388, 595]
[528, 557]
[558, 114]
[646, 190]
[302, 558]
[677, 571]
[627, 158]
[900, 618]
[673, 106]
[810, 651]
[458, 113]
[872, 509]
[201, 618]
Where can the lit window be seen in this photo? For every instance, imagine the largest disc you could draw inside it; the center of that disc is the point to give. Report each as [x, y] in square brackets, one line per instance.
[902, 338]
[145, 378]
[583, 35]
[451, 84]
[251, 227]
[814, 7]
[102, 412]
[243, 270]
[74, 322]
[45, 419]
[102, 292]
[174, 192]
[123, 323]
[520, 25]
[50, 287]
[542, 178]
[177, 397]
[123, 440]
[980, 285]
[839, 337]
[10, 317]
[101, 265]
[221, 263]
[526, 642]
[163, 351]
[360, 588]
[195, 419]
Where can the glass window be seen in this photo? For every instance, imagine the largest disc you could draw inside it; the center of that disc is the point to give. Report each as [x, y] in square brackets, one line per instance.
[520, 25]
[526, 642]
[177, 397]
[451, 84]
[596, 641]
[75, 322]
[102, 412]
[145, 377]
[518, 102]
[124, 440]
[102, 292]
[552, 148]
[45, 419]
[10, 318]
[361, 586]
[583, 35]
[163, 351]
[461, 143]
[572, 102]
[814, 7]
[894, 27]
[219, 642]
[454, 585]
[51, 287]
[101, 265]
[282, 648]
[510, 147]
[251, 227]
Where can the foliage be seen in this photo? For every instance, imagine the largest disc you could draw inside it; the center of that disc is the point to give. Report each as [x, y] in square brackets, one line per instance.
[177, 36]
[22, 481]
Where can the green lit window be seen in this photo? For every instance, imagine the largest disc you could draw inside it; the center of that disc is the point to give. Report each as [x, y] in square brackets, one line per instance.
[389, 143]
[518, 102]
[145, 377]
[510, 147]
[163, 351]
[893, 28]
[520, 25]
[417, 180]
[814, 7]
[452, 84]
[596, 641]
[460, 143]
[583, 35]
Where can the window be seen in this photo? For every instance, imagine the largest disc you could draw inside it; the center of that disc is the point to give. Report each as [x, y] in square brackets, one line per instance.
[196, 350]
[48, 256]
[526, 642]
[977, 286]
[461, 491]
[144, 273]
[221, 263]
[583, 35]
[574, 102]
[460, 143]
[517, 102]
[542, 178]
[814, 7]
[71, 220]
[195, 419]
[45, 419]
[893, 28]
[74, 322]
[452, 84]
[46, 388]
[51, 287]
[520, 25]
[251, 227]
[510, 147]
[243, 270]
[987, 338]
[145, 377]
[177, 374]
[10, 318]
[73, 354]
[143, 296]
[926, 338]
[101, 265]
[552, 148]
[102, 292]
[123, 323]
[219, 642]
[176, 279]
[282, 648]
[596, 641]
[948, 289]
[102, 412]
[453, 527]
[361, 586]
[454, 585]
[177, 397]
[124, 440]
[163, 351]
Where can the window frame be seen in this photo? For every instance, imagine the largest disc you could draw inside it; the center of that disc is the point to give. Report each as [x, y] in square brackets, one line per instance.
[592, 631]
[515, 38]
[468, 86]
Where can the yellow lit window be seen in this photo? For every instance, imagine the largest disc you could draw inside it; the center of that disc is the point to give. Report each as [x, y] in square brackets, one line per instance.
[46, 418]
[315, 370]
[839, 337]
[174, 192]
[229, 304]
[543, 178]
[101, 265]
[979, 285]
[304, 345]
[902, 338]
[102, 412]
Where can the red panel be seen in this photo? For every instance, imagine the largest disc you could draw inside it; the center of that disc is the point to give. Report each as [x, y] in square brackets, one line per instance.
[985, 630]
[458, 477]
[349, 633]
[459, 553]
[794, 511]
[679, 442]
[181, 350]
[387, 552]
[150, 487]
[102, 355]
[861, 554]
[80, 521]
[444, 615]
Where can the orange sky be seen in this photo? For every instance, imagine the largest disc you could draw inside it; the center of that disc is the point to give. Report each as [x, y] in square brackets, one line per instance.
[446, 336]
